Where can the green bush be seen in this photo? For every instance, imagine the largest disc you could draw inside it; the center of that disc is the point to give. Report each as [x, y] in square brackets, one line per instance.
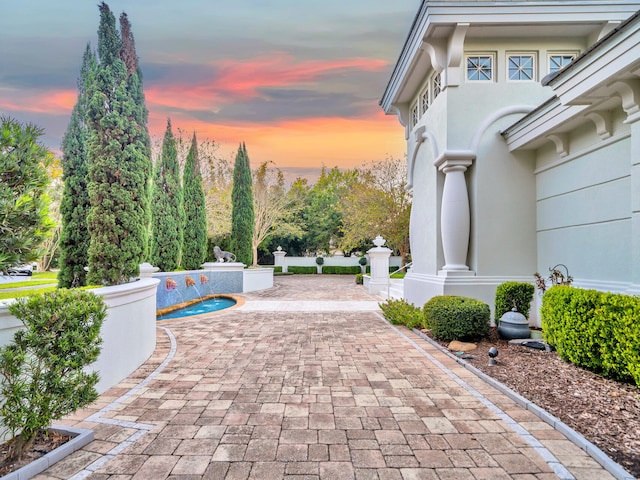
[513, 294]
[451, 317]
[362, 261]
[595, 330]
[42, 370]
[341, 270]
[399, 312]
[302, 270]
[277, 269]
[359, 279]
[319, 260]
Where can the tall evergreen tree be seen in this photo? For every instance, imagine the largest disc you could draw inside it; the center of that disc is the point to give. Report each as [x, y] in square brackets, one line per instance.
[74, 206]
[167, 211]
[119, 165]
[242, 214]
[194, 248]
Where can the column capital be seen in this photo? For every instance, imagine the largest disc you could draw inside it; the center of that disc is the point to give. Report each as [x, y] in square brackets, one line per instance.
[454, 160]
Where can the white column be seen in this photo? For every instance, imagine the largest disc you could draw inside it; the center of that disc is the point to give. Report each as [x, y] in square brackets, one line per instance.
[635, 208]
[278, 258]
[379, 259]
[454, 215]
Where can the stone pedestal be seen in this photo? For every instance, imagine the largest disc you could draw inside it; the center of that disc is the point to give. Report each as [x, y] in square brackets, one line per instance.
[278, 257]
[147, 270]
[379, 259]
[223, 266]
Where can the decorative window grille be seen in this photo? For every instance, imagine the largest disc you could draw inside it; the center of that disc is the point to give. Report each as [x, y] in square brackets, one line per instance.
[559, 61]
[521, 67]
[480, 68]
[414, 115]
[424, 101]
[436, 86]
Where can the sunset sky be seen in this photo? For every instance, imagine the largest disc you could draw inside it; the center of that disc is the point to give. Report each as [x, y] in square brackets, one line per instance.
[298, 81]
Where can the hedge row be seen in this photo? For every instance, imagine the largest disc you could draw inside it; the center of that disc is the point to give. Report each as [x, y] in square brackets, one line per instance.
[341, 270]
[302, 270]
[595, 330]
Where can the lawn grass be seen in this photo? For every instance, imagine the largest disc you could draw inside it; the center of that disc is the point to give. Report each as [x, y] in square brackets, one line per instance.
[26, 283]
[47, 275]
[24, 293]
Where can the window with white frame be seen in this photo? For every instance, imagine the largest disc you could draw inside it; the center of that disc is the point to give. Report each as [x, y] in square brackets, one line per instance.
[521, 67]
[414, 115]
[436, 86]
[557, 61]
[480, 68]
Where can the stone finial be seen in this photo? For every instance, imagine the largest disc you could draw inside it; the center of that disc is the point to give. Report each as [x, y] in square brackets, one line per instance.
[379, 241]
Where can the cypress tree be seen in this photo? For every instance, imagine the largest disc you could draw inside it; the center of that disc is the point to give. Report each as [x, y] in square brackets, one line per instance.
[74, 206]
[242, 214]
[195, 232]
[119, 166]
[167, 207]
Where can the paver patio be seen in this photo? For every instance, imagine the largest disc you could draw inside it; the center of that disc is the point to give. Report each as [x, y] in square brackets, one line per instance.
[320, 387]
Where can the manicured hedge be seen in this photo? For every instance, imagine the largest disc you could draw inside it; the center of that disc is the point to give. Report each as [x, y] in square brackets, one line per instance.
[451, 317]
[513, 294]
[595, 330]
[341, 270]
[302, 270]
[277, 269]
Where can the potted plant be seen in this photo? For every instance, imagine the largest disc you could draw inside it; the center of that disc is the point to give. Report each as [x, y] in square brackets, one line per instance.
[319, 263]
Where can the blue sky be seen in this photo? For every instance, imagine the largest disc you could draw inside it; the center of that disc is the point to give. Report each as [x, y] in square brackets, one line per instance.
[299, 82]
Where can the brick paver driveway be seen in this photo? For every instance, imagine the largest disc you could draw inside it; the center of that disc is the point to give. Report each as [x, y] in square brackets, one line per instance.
[312, 385]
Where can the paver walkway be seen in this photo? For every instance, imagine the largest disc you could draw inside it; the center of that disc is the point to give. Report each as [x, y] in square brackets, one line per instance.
[319, 388]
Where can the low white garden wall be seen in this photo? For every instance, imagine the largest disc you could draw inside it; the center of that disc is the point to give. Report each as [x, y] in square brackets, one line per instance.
[335, 261]
[257, 279]
[128, 333]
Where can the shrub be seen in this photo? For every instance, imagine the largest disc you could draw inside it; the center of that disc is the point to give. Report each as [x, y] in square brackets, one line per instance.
[451, 317]
[359, 279]
[277, 269]
[399, 312]
[513, 294]
[341, 270]
[42, 371]
[362, 261]
[319, 260]
[302, 270]
[594, 330]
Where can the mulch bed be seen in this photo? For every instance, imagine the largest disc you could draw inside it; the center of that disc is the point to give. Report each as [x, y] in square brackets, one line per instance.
[604, 411]
[42, 445]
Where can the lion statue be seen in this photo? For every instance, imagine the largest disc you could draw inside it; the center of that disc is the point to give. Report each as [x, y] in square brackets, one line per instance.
[222, 256]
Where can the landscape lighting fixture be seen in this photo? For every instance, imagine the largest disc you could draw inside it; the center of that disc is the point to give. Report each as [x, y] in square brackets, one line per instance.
[493, 353]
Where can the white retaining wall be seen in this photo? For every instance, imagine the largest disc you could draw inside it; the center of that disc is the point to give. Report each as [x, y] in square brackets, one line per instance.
[128, 333]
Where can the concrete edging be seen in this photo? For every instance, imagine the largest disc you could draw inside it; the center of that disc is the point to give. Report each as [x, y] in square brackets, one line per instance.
[598, 455]
[81, 437]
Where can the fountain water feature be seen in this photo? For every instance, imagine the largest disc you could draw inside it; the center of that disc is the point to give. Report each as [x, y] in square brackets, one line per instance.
[172, 286]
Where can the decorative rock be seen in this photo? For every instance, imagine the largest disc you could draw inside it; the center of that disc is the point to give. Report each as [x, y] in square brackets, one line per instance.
[457, 346]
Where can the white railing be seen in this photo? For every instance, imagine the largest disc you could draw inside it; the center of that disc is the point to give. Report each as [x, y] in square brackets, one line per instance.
[408, 265]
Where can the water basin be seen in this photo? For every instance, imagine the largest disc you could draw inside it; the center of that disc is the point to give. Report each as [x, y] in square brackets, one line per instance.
[199, 308]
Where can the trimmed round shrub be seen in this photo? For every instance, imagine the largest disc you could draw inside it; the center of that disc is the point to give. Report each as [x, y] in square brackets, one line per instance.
[513, 294]
[362, 261]
[452, 317]
[319, 260]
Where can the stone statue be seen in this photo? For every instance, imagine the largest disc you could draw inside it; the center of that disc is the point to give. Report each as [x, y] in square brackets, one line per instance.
[222, 256]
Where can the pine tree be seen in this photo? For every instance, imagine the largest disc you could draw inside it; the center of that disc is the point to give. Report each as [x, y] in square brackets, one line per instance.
[242, 215]
[195, 231]
[119, 165]
[74, 206]
[167, 207]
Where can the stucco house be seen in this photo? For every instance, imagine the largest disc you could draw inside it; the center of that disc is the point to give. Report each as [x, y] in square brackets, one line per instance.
[523, 143]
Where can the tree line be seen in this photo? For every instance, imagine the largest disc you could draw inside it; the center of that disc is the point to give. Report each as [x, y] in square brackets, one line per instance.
[117, 209]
